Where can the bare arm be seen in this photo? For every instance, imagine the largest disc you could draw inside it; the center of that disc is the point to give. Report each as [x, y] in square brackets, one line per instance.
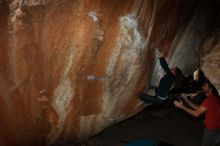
[163, 62]
[191, 95]
[194, 106]
[196, 113]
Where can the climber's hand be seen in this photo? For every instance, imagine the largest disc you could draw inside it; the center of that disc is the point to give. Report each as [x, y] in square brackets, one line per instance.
[158, 53]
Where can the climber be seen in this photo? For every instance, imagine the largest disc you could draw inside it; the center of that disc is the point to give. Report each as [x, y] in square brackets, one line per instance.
[211, 108]
[173, 76]
[194, 82]
[192, 87]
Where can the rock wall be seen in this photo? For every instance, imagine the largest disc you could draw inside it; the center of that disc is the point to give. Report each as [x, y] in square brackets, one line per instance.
[210, 55]
[70, 68]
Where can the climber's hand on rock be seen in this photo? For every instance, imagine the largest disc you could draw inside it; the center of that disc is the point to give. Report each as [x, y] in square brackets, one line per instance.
[158, 53]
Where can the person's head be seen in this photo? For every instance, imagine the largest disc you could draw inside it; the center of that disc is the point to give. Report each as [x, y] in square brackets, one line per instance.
[173, 70]
[208, 88]
[179, 77]
[176, 71]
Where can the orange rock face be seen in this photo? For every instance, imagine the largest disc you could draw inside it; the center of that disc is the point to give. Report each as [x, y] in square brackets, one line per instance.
[70, 68]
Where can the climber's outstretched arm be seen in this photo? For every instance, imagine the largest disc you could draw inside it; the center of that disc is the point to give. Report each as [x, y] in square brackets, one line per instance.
[163, 62]
[164, 65]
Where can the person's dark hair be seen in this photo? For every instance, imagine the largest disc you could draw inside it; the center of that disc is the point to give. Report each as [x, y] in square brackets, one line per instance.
[214, 90]
[202, 77]
[178, 71]
[179, 77]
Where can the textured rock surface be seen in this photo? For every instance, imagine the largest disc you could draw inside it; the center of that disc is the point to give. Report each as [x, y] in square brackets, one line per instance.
[70, 68]
[210, 54]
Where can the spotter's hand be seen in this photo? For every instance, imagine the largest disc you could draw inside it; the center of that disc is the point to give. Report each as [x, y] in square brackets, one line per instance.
[178, 104]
